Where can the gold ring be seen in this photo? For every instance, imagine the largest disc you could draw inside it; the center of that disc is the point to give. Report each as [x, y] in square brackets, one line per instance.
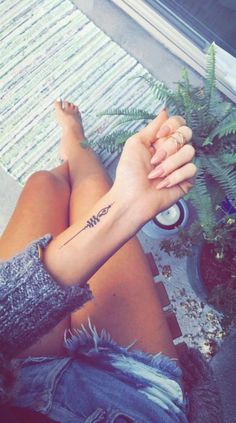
[179, 143]
[184, 192]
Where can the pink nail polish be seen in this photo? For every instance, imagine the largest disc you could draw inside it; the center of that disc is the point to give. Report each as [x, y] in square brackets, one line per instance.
[163, 184]
[156, 173]
[158, 157]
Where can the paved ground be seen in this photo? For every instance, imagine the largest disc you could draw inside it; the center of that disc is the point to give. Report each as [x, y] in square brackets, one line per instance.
[162, 65]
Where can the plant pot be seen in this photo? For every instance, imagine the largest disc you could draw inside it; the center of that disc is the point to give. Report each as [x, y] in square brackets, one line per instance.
[229, 4]
[207, 275]
[201, 258]
[168, 222]
[194, 272]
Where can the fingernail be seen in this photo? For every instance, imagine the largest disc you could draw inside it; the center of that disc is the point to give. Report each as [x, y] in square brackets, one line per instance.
[156, 173]
[164, 184]
[158, 157]
[163, 132]
[59, 99]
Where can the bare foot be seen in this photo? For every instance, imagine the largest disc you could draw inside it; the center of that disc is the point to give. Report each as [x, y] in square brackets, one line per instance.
[69, 118]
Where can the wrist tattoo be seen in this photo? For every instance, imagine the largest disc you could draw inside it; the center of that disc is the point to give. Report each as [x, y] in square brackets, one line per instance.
[91, 222]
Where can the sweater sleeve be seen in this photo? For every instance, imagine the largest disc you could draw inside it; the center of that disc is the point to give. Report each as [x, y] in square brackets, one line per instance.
[31, 301]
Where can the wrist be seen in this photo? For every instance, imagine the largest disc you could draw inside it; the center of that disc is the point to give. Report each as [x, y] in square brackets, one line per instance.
[127, 214]
[76, 254]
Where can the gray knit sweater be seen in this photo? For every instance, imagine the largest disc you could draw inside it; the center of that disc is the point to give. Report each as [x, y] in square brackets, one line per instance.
[31, 303]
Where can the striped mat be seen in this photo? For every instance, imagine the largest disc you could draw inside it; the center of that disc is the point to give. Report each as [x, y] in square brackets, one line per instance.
[49, 49]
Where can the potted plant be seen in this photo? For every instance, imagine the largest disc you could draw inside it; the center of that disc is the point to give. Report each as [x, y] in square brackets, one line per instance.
[169, 222]
[213, 121]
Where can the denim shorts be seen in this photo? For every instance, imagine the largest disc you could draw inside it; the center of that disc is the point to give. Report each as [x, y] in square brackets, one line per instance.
[100, 381]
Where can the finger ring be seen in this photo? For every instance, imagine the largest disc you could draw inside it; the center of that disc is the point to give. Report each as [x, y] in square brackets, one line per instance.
[179, 142]
[184, 192]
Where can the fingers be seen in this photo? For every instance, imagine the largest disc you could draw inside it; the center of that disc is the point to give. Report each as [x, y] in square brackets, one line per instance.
[160, 127]
[187, 185]
[148, 134]
[183, 176]
[165, 147]
[169, 165]
[170, 126]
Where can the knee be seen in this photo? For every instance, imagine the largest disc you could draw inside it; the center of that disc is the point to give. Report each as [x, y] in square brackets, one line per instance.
[44, 178]
[95, 183]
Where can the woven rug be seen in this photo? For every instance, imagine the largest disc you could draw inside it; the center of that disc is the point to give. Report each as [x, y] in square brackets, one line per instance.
[49, 49]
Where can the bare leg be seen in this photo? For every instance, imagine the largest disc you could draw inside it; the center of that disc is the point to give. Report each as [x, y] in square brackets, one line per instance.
[126, 302]
[42, 208]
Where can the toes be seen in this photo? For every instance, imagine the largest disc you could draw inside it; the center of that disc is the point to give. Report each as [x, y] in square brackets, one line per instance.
[74, 106]
[66, 105]
[58, 104]
[69, 106]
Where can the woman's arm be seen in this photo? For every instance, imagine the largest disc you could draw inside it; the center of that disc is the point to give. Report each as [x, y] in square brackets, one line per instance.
[76, 254]
[32, 299]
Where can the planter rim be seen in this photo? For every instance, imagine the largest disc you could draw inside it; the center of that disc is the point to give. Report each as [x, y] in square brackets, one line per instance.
[194, 272]
[156, 232]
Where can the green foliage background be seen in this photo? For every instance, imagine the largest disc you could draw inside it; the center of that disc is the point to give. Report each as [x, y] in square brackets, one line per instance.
[213, 121]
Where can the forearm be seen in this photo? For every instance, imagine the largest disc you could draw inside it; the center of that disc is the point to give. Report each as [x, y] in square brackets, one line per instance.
[76, 254]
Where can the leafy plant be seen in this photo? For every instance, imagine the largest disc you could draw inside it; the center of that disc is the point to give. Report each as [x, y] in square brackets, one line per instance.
[223, 298]
[213, 121]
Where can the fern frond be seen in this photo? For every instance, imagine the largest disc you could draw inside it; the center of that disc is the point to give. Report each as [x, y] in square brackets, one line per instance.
[223, 111]
[133, 114]
[125, 116]
[224, 175]
[160, 91]
[114, 141]
[228, 159]
[223, 129]
[179, 107]
[126, 120]
[201, 200]
[210, 76]
[185, 92]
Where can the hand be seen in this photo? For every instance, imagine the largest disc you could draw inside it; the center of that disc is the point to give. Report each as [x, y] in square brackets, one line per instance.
[151, 174]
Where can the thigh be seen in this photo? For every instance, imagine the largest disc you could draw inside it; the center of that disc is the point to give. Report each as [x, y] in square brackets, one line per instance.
[125, 299]
[41, 208]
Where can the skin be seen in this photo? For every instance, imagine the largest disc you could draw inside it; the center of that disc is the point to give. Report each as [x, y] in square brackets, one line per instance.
[117, 271]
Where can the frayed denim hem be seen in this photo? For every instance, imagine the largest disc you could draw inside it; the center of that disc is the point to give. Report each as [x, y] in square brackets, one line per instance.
[156, 376]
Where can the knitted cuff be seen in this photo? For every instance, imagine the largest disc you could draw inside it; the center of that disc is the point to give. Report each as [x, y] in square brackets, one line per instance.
[31, 301]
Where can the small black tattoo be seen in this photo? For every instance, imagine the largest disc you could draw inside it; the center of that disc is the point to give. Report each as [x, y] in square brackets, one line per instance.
[91, 222]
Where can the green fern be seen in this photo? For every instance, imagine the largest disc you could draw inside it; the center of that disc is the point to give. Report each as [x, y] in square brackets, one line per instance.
[159, 90]
[224, 175]
[224, 129]
[228, 159]
[184, 98]
[128, 115]
[213, 121]
[114, 142]
[203, 205]
[132, 114]
[210, 79]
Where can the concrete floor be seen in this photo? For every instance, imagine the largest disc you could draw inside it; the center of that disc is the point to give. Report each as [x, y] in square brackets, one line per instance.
[164, 66]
